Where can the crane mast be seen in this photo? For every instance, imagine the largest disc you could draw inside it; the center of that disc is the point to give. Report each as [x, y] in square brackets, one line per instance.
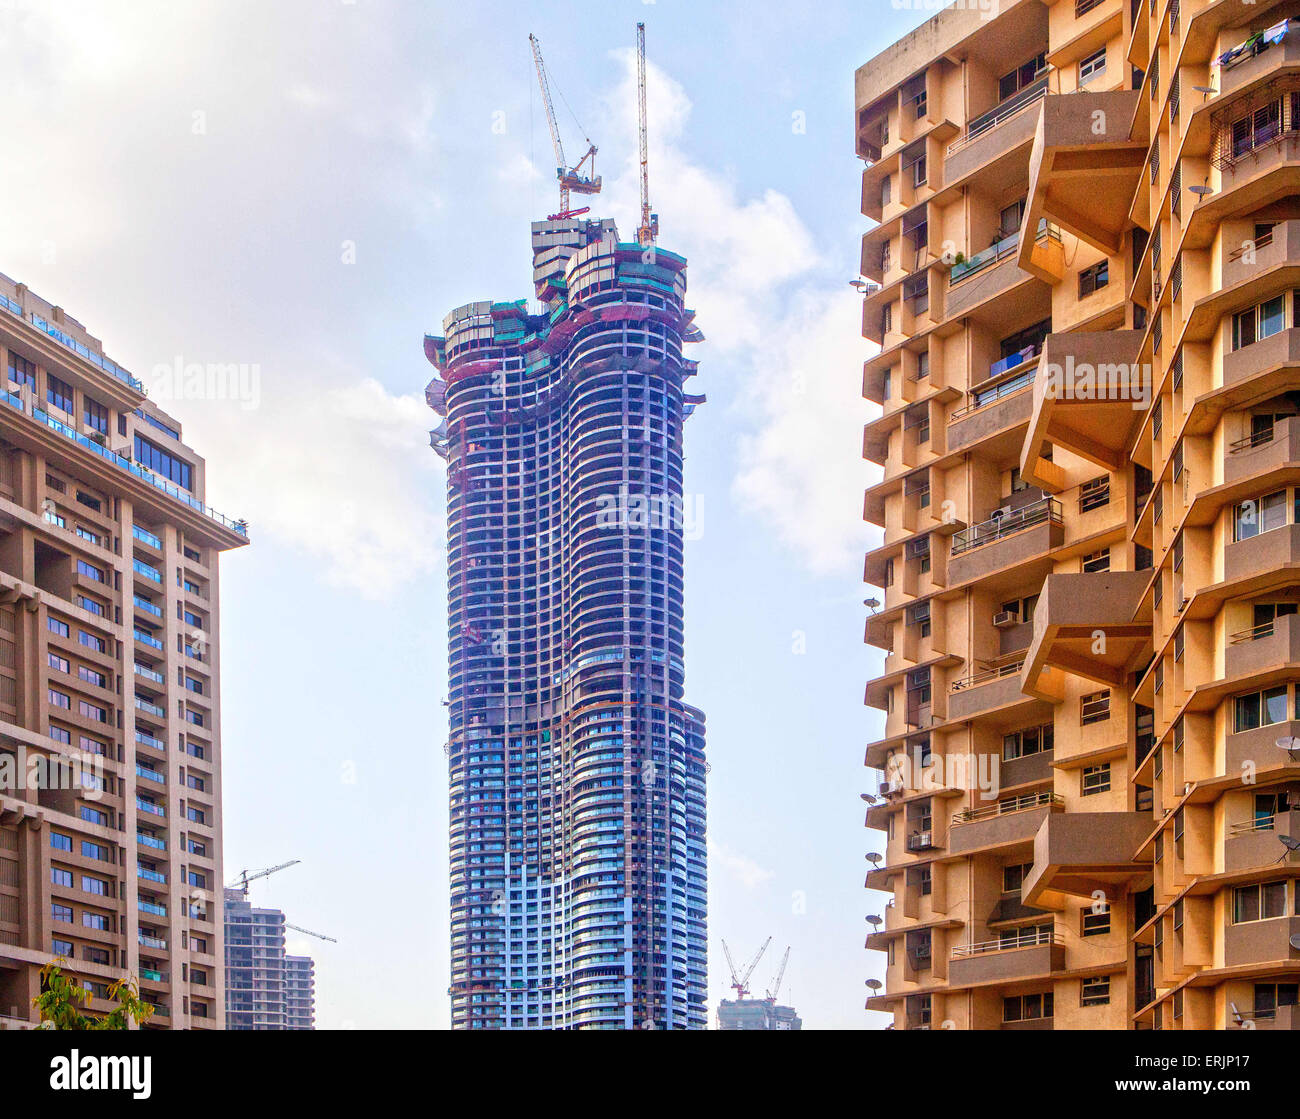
[780, 974]
[740, 982]
[649, 227]
[570, 178]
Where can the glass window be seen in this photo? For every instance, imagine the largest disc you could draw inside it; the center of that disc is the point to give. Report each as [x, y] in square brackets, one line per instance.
[1272, 317]
[58, 393]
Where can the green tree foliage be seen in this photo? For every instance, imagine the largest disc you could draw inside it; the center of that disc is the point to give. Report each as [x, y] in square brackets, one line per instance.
[61, 999]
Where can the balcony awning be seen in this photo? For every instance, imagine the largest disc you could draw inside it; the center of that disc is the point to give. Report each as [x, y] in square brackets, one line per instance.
[1084, 168]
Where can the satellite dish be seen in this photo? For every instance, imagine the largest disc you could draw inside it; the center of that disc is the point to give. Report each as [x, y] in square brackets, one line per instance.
[1208, 90]
[1289, 743]
[871, 603]
[873, 859]
[1295, 942]
[873, 920]
[1291, 845]
[1201, 191]
[874, 984]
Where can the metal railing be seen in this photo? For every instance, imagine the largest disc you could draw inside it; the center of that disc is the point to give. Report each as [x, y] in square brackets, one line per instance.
[1046, 511]
[978, 678]
[921, 841]
[999, 113]
[1242, 636]
[1249, 827]
[984, 397]
[1025, 803]
[1028, 938]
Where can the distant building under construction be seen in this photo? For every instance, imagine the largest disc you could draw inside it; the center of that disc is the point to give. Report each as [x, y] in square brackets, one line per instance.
[757, 1014]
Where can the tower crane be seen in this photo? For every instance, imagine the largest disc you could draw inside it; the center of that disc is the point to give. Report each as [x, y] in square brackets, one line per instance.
[570, 178]
[318, 936]
[247, 876]
[740, 983]
[780, 974]
[649, 227]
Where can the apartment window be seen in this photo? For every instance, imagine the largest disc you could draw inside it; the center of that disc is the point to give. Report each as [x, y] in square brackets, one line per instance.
[94, 885]
[1094, 708]
[91, 641]
[60, 877]
[1094, 493]
[95, 414]
[90, 571]
[60, 842]
[1097, 561]
[1025, 75]
[919, 617]
[1095, 991]
[1270, 996]
[92, 711]
[1014, 875]
[61, 947]
[1258, 902]
[58, 663]
[1027, 742]
[1094, 278]
[1259, 709]
[22, 371]
[922, 364]
[1092, 66]
[57, 627]
[1027, 1008]
[1094, 779]
[1095, 920]
[97, 921]
[61, 912]
[918, 421]
[1009, 222]
[1264, 514]
[1262, 321]
[162, 462]
[58, 393]
[60, 699]
[93, 850]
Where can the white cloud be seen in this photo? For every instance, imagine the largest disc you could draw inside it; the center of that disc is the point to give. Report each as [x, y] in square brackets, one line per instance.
[744, 870]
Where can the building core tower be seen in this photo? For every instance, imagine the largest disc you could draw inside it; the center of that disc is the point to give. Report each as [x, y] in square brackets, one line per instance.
[577, 771]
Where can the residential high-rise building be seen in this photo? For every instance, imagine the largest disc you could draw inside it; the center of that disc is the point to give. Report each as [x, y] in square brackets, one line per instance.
[110, 723]
[577, 771]
[299, 993]
[757, 1014]
[266, 989]
[1083, 289]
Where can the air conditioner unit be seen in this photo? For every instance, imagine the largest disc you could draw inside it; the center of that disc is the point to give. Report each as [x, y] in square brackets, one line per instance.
[1005, 619]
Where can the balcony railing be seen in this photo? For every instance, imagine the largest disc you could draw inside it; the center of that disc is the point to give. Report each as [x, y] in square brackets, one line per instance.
[1249, 827]
[1256, 44]
[1000, 113]
[1255, 633]
[1024, 803]
[1027, 938]
[978, 678]
[921, 841]
[984, 397]
[1046, 511]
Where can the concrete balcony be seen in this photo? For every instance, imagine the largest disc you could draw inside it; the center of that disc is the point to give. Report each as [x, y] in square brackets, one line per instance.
[995, 134]
[1030, 955]
[994, 409]
[1072, 609]
[1078, 853]
[1254, 844]
[987, 690]
[1089, 397]
[1007, 822]
[1259, 748]
[1274, 449]
[1281, 1018]
[1084, 168]
[1279, 247]
[1003, 541]
[1269, 356]
[1256, 67]
[984, 275]
[1267, 553]
[1274, 644]
[1261, 942]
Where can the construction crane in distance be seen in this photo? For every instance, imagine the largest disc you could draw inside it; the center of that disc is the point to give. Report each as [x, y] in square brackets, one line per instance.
[740, 982]
[318, 936]
[247, 876]
[649, 227]
[780, 974]
[571, 178]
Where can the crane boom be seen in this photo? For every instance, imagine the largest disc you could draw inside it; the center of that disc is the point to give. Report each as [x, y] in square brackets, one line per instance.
[780, 974]
[740, 980]
[649, 228]
[570, 178]
[319, 936]
[245, 876]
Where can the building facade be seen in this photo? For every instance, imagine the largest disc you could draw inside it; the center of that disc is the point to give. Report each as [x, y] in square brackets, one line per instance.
[299, 993]
[266, 989]
[110, 725]
[1082, 283]
[577, 770]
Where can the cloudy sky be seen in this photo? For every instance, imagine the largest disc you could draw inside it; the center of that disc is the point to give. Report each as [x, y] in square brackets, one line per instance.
[305, 187]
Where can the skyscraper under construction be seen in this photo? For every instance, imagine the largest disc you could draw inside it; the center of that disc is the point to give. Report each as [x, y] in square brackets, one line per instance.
[577, 772]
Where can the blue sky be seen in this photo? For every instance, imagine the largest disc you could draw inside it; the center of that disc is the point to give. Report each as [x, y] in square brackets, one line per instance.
[306, 187]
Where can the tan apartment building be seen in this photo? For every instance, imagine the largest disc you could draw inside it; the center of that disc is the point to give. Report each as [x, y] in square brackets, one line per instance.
[1084, 279]
[110, 731]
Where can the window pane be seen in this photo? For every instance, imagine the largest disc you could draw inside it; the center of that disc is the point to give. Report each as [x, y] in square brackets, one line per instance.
[1272, 317]
[1275, 705]
[1247, 712]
